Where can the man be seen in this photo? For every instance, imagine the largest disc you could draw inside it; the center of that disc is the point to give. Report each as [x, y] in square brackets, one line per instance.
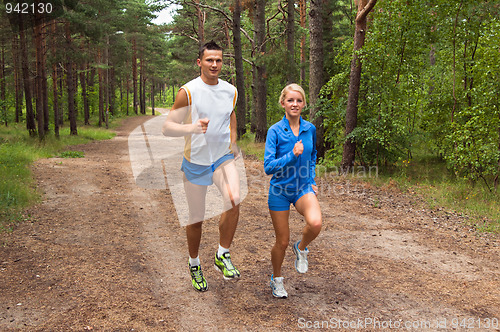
[203, 113]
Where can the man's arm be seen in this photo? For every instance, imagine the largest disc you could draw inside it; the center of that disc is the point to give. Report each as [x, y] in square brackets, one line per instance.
[234, 134]
[174, 125]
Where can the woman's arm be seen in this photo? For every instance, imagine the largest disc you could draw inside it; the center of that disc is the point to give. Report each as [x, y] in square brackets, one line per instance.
[271, 163]
[314, 155]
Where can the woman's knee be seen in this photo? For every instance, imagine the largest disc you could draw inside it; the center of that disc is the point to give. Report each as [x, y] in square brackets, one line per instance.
[282, 243]
[315, 224]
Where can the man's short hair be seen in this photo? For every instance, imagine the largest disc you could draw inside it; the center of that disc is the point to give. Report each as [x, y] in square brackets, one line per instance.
[211, 46]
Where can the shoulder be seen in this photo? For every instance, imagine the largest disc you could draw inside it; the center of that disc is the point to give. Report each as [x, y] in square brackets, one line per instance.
[308, 125]
[277, 126]
[227, 86]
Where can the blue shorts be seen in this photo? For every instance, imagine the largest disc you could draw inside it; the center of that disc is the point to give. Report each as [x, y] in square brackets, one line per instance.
[201, 174]
[280, 199]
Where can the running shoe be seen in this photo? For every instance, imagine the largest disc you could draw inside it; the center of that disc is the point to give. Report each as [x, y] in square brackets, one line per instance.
[301, 263]
[223, 264]
[278, 288]
[197, 279]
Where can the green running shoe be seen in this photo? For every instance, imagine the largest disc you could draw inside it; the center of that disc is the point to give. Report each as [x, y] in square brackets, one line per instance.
[229, 271]
[197, 279]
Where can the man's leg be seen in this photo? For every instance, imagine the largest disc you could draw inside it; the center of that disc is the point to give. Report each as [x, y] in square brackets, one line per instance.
[195, 196]
[227, 180]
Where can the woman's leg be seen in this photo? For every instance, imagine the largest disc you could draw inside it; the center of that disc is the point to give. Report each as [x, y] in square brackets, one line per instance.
[308, 206]
[282, 230]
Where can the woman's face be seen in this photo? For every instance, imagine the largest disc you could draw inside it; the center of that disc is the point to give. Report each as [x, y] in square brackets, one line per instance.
[293, 103]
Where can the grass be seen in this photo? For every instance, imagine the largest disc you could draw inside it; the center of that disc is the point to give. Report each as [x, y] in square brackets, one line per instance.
[428, 177]
[248, 145]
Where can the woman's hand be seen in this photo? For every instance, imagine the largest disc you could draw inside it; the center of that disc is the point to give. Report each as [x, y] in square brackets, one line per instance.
[298, 148]
[315, 189]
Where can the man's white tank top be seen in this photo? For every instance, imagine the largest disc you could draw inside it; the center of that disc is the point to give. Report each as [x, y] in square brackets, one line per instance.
[216, 103]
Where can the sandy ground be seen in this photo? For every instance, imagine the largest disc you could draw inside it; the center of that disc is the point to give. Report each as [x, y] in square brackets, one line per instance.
[100, 253]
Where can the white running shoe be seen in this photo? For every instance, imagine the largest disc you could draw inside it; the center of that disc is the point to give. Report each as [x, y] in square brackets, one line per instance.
[278, 288]
[301, 263]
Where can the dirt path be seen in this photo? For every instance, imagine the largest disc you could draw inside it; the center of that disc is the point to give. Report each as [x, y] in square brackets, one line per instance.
[99, 253]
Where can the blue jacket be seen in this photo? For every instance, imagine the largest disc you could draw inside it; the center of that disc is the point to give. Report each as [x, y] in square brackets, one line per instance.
[289, 171]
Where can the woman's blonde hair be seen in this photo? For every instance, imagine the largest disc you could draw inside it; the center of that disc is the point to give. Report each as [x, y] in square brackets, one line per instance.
[292, 87]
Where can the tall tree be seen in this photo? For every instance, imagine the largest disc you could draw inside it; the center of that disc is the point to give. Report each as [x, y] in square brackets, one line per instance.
[302, 10]
[18, 84]
[351, 117]
[290, 42]
[240, 75]
[316, 79]
[55, 93]
[70, 82]
[41, 112]
[260, 75]
[134, 74]
[30, 115]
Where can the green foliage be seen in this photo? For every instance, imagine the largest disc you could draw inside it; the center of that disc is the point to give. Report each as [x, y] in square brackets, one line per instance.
[473, 150]
[430, 76]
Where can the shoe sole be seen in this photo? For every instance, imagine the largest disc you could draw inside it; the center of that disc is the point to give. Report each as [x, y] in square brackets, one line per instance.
[223, 275]
[296, 260]
[200, 290]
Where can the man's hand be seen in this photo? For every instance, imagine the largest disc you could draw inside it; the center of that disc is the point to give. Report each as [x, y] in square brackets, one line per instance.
[200, 126]
[236, 150]
[298, 148]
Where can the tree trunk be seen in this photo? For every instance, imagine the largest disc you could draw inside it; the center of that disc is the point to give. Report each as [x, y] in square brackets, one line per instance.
[106, 85]
[261, 75]
[112, 90]
[40, 116]
[134, 74]
[142, 88]
[351, 118]
[240, 75]
[70, 84]
[17, 78]
[153, 98]
[45, 87]
[201, 23]
[302, 8]
[316, 70]
[55, 93]
[85, 97]
[3, 93]
[290, 42]
[128, 93]
[30, 116]
[100, 75]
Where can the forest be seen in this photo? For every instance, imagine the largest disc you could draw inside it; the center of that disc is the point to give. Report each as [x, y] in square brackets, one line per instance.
[385, 79]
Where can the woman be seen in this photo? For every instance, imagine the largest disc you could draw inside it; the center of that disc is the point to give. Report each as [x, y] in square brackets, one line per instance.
[291, 157]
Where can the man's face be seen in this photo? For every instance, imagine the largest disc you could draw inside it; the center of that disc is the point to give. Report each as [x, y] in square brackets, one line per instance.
[210, 64]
